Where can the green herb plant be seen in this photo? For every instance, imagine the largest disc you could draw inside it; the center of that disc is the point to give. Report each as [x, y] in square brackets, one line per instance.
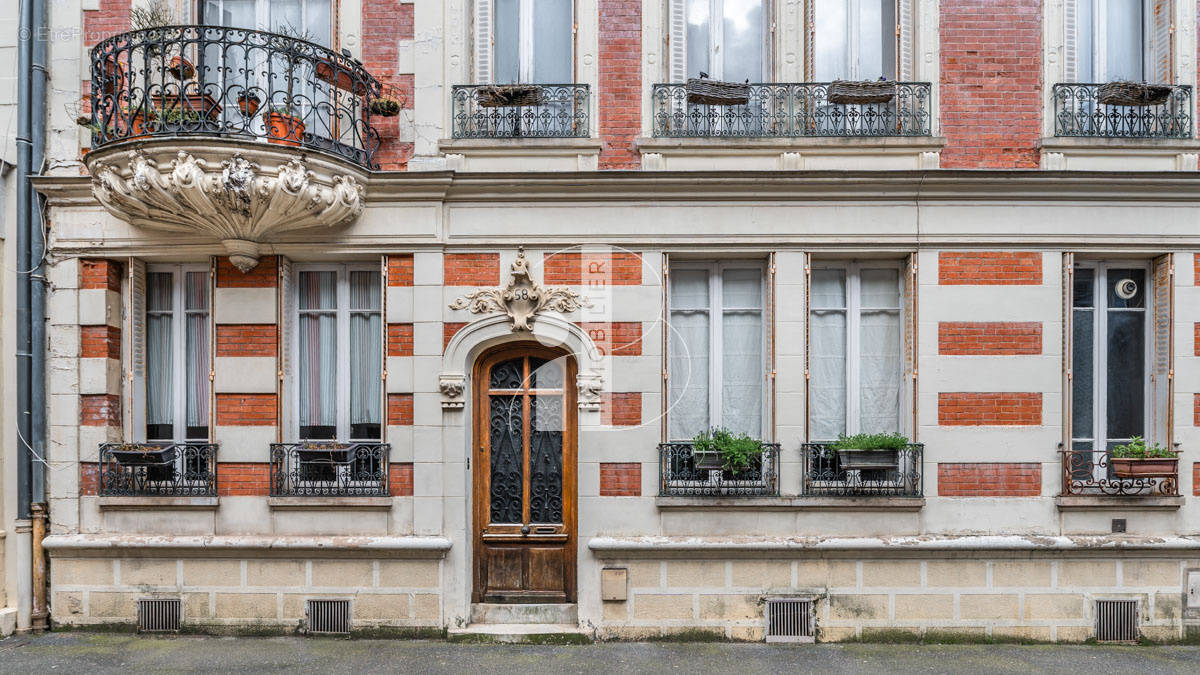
[888, 441]
[1136, 448]
[738, 452]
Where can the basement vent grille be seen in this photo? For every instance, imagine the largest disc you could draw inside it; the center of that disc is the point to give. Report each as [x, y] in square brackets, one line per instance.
[789, 620]
[329, 617]
[1116, 620]
[158, 615]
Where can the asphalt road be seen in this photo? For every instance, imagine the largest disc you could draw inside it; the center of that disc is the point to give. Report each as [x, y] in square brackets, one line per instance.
[90, 653]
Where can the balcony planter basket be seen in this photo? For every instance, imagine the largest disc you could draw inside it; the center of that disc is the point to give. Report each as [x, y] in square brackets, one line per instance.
[340, 77]
[248, 103]
[1144, 467]
[867, 459]
[846, 92]
[324, 453]
[139, 455]
[703, 91]
[181, 69]
[284, 128]
[385, 106]
[1133, 93]
[510, 96]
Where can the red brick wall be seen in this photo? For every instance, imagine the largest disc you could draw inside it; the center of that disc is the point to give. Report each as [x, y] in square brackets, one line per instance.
[1196, 269]
[111, 17]
[567, 269]
[249, 339]
[104, 342]
[989, 408]
[100, 410]
[621, 409]
[620, 83]
[264, 275]
[1196, 478]
[620, 479]
[1196, 410]
[384, 24]
[243, 479]
[616, 338]
[400, 409]
[1001, 479]
[97, 273]
[400, 270]
[989, 268]
[400, 339]
[1196, 338]
[246, 410]
[89, 479]
[991, 88]
[400, 479]
[449, 329]
[471, 269]
[1001, 338]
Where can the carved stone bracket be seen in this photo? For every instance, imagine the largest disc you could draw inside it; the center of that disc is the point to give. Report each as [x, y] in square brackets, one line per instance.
[240, 202]
[590, 385]
[451, 385]
[521, 299]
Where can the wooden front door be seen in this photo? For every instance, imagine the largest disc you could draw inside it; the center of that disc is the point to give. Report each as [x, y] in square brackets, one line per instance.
[524, 476]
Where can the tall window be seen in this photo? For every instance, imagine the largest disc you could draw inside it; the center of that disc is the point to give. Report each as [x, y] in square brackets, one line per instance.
[854, 39]
[310, 18]
[533, 41]
[855, 350]
[339, 353]
[715, 350]
[1110, 346]
[1111, 36]
[726, 39]
[177, 353]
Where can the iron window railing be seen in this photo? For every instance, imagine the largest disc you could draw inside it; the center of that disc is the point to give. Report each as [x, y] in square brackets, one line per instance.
[158, 470]
[552, 111]
[793, 110]
[828, 472]
[1097, 472]
[686, 473]
[1078, 112]
[217, 80]
[327, 469]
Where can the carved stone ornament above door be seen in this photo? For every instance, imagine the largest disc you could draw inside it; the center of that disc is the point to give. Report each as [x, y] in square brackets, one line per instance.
[522, 299]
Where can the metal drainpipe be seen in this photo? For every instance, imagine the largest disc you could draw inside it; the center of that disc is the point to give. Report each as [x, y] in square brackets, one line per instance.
[37, 320]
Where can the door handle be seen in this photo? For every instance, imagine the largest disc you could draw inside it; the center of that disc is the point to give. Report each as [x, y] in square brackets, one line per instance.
[524, 529]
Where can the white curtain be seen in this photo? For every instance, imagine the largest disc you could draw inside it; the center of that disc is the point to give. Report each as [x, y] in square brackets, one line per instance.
[317, 330]
[196, 349]
[688, 354]
[872, 22]
[366, 348]
[879, 351]
[159, 348]
[742, 360]
[827, 355]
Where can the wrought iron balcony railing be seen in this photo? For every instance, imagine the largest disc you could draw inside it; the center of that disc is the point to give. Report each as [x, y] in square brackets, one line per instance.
[687, 473]
[793, 110]
[158, 470]
[1098, 473]
[220, 81]
[328, 469]
[1079, 112]
[828, 472]
[521, 111]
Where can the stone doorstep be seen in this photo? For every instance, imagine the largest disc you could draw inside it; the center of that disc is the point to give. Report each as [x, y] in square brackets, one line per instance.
[522, 633]
[8, 621]
[534, 613]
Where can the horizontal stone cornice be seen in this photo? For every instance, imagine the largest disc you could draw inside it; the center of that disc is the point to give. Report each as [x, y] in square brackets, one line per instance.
[226, 546]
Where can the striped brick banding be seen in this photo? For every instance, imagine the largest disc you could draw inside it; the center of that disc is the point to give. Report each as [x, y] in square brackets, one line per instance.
[400, 409]
[995, 479]
[989, 408]
[400, 479]
[989, 268]
[243, 479]
[621, 409]
[989, 338]
[449, 329]
[575, 268]
[264, 275]
[622, 338]
[100, 410]
[89, 479]
[471, 269]
[251, 339]
[95, 273]
[400, 339]
[620, 479]
[400, 270]
[247, 410]
[100, 342]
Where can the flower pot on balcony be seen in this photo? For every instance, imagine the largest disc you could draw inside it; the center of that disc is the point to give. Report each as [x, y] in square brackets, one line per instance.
[248, 103]
[1148, 467]
[509, 96]
[385, 106]
[112, 77]
[702, 91]
[200, 104]
[141, 455]
[284, 129]
[1133, 93]
[324, 453]
[867, 459]
[341, 78]
[181, 69]
[845, 92]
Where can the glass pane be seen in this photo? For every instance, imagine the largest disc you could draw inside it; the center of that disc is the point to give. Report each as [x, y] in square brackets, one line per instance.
[160, 292]
[831, 44]
[506, 42]
[1124, 44]
[880, 288]
[688, 375]
[545, 459]
[235, 13]
[365, 291]
[507, 459]
[317, 21]
[318, 355]
[741, 288]
[689, 289]
[1126, 386]
[827, 383]
[366, 368]
[879, 371]
[1085, 283]
[742, 373]
[1085, 23]
[1127, 288]
[1083, 374]
[160, 355]
[317, 290]
[697, 38]
[828, 289]
[547, 374]
[552, 41]
[743, 36]
[508, 374]
[196, 352]
[877, 39]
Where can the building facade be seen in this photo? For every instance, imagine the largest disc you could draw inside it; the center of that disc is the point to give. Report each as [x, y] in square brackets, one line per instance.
[404, 318]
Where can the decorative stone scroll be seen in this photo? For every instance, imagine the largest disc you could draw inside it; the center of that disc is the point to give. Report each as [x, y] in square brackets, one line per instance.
[521, 299]
[590, 386]
[451, 385]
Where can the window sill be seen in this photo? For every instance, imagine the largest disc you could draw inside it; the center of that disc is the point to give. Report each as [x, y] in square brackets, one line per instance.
[791, 153]
[1085, 502]
[155, 503]
[1100, 153]
[329, 502]
[904, 504]
[521, 154]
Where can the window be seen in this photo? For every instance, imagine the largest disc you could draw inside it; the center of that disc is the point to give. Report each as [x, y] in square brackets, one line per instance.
[309, 18]
[339, 343]
[726, 39]
[716, 368]
[533, 41]
[1110, 35]
[177, 353]
[856, 342]
[854, 39]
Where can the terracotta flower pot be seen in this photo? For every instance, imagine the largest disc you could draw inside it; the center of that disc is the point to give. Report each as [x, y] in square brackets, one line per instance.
[284, 129]
[181, 68]
[248, 104]
[1142, 467]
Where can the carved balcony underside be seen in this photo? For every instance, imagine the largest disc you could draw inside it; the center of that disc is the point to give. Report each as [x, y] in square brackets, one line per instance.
[240, 199]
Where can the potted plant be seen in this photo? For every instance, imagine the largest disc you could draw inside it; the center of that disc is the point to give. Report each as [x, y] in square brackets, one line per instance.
[703, 91]
[846, 92]
[1135, 459]
[181, 68]
[283, 126]
[385, 106]
[869, 451]
[720, 448]
[248, 103]
[177, 119]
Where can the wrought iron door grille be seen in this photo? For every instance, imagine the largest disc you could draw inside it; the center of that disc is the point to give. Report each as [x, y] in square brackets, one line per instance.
[158, 615]
[1117, 620]
[328, 617]
[789, 620]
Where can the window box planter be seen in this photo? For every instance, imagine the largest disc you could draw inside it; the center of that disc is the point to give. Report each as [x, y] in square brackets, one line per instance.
[1133, 94]
[868, 458]
[845, 92]
[1152, 467]
[139, 455]
[510, 96]
[284, 129]
[702, 91]
[341, 78]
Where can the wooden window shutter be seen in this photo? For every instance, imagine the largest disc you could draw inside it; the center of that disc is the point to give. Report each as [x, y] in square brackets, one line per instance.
[1162, 374]
[677, 40]
[483, 41]
[1068, 331]
[905, 66]
[1070, 43]
[1161, 34]
[285, 328]
[135, 380]
[213, 264]
[910, 341]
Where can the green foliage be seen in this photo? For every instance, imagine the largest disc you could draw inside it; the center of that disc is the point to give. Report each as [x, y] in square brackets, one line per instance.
[738, 451]
[1136, 448]
[892, 441]
[154, 14]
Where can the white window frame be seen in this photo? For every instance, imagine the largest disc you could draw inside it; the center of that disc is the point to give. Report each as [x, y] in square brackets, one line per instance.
[343, 312]
[179, 313]
[1100, 312]
[716, 346]
[853, 55]
[486, 20]
[716, 40]
[1100, 40]
[853, 310]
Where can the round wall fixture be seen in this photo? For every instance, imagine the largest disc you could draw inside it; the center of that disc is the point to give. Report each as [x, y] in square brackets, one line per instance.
[1126, 289]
